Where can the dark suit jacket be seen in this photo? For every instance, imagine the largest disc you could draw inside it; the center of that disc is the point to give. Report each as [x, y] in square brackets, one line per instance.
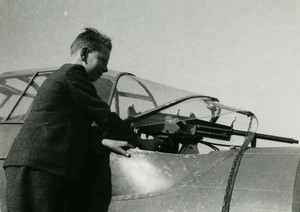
[55, 136]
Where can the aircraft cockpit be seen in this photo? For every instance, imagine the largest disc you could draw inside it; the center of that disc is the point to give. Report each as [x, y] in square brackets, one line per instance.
[189, 171]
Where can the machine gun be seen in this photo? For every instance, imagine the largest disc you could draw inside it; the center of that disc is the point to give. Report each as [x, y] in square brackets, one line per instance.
[191, 128]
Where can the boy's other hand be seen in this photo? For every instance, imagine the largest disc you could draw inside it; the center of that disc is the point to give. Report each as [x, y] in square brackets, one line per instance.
[117, 146]
[148, 144]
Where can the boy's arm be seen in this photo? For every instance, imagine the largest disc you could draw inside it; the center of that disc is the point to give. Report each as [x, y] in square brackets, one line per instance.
[117, 146]
[83, 92]
[85, 95]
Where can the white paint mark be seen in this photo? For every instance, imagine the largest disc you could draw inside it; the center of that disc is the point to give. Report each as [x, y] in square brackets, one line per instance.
[252, 206]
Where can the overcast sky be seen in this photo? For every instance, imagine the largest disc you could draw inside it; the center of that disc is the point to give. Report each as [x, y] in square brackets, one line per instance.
[245, 53]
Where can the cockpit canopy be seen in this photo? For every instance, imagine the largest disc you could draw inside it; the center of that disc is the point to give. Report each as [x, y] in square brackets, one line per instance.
[140, 102]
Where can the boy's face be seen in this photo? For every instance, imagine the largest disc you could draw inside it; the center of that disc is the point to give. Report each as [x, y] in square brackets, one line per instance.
[96, 63]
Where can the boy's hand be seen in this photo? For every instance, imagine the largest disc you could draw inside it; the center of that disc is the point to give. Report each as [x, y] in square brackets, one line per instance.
[118, 147]
[148, 144]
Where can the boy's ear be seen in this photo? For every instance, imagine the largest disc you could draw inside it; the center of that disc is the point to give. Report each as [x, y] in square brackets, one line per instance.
[84, 54]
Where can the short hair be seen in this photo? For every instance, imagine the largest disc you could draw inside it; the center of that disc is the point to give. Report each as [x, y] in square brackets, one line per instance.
[92, 39]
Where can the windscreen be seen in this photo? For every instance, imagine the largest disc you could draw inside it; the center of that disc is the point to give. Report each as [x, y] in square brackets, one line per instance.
[205, 113]
[16, 96]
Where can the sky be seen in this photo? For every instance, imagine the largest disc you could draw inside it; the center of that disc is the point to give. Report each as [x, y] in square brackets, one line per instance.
[245, 53]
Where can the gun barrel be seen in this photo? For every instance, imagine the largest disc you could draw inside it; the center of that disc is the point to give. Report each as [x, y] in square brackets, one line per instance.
[267, 137]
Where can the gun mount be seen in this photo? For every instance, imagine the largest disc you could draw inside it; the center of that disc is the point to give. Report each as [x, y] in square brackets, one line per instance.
[195, 130]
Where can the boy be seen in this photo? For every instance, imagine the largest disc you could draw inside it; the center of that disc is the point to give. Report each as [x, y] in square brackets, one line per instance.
[53, 164]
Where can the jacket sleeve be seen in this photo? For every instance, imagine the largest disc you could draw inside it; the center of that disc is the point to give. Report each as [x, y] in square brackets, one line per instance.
[83, 92]
[118, 130]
